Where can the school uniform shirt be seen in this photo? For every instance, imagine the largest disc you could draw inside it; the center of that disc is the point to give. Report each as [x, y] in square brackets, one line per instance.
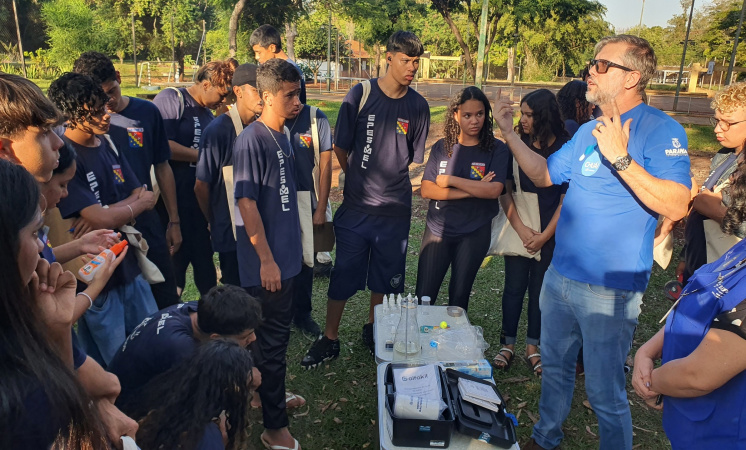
[160, 342]
[381, 142]
[453, 218]
[139, 134]
[264, 171]
[184, 128]
[604, 234]
[302, 141]
[216, 152]
[102, 177]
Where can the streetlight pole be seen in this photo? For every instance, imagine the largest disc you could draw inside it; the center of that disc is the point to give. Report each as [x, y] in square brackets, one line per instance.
[683, 58]
[329, 53]
[735, 46]
[639, 27]
[482, 42]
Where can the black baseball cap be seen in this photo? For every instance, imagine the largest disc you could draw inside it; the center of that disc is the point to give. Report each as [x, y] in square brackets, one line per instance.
[245, 74]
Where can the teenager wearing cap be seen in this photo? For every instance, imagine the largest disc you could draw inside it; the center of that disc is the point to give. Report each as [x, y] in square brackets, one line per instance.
[216, 152]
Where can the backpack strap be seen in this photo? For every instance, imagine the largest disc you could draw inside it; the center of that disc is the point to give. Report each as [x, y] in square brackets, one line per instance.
[366, 93]
[236, 119]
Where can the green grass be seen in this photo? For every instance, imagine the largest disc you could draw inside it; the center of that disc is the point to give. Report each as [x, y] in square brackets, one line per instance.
[341, 394]
[701, 138]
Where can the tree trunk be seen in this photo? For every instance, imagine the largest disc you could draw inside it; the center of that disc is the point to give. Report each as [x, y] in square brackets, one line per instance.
[511, 64]
[464, 47]
[233, 27]
[291, 31]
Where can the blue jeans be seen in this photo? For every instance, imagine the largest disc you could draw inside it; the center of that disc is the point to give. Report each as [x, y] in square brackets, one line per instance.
[113, 316]
[603, 320]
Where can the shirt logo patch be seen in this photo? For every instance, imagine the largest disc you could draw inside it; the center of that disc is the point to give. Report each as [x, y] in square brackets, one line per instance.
[118, 174]
[135, 137]
[402, 126]
[675, 142]
[305, 140]
[591, 164]
[477, 171]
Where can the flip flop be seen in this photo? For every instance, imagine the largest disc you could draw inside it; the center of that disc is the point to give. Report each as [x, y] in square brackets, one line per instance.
[292, 401]
[278, 447]
[500, 361]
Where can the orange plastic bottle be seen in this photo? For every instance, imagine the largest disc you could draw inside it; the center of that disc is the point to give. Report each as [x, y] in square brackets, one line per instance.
[87, 272]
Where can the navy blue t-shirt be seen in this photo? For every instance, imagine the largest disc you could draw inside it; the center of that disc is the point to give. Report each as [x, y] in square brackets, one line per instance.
[212, 439]
[264, 171]
[549, 197]
[381, 142]
[160, 341]
[452, 218]
[34, 427]
[139, 134]
[105, 178]
[185, 129]
[302, 140]
[216, 152]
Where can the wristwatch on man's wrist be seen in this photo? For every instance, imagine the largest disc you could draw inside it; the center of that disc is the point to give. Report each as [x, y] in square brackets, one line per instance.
[621, 163]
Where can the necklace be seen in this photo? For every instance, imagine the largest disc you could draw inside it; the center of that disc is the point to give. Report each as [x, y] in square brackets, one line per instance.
[277, 143]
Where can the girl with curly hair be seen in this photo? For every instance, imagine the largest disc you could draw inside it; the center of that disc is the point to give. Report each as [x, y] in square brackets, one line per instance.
[463, 179]
[200, 404]
[542, 130]
[715, 197]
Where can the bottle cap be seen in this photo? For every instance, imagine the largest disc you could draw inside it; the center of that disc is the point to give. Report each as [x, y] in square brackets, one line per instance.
[117, 248]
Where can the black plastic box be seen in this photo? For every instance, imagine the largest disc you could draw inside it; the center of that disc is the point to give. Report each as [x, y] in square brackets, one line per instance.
[416, 432]
[480, 423]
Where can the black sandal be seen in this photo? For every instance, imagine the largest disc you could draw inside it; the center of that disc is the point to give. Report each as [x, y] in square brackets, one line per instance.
[500, 361]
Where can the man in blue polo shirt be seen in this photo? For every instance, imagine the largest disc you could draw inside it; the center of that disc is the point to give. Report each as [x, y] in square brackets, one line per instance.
[377, 137]
[268, 234]
[315, 183]
[215, 153]
[624, 170]
[137, 131]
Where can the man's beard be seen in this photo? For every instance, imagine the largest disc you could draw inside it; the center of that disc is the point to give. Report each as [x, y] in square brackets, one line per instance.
[601, 96]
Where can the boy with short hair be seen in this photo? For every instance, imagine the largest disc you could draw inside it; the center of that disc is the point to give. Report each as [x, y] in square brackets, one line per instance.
[266, 43]
[216, 152]
[268, 234]
[27, 118]
[137, 132]
[106, 193]
[375, 143]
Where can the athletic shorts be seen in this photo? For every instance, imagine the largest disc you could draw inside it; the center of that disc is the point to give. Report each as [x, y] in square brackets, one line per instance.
[370, 249]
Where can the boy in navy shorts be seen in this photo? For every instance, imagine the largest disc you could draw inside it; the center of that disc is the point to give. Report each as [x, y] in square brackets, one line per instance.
[378, 136]
[268, 235]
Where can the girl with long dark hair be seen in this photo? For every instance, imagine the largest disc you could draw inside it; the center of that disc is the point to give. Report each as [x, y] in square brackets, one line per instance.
[541, 128]
[200, 403]
[463, 179]
[574, 108]
[42, 405]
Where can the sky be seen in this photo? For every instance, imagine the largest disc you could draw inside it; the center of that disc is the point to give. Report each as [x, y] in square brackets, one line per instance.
[626, 13]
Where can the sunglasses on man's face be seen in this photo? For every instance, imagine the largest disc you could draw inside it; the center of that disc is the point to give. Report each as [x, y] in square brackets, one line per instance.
[602, 66]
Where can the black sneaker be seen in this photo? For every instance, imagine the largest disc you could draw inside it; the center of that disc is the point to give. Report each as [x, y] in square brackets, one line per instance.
[306, 324]
[368, 338]
[322, 350]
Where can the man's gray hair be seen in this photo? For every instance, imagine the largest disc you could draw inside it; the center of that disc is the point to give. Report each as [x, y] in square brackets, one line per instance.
[639, 56]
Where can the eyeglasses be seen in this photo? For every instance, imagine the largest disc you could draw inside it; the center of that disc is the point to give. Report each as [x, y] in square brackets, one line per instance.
[602, 65]
[725, 126]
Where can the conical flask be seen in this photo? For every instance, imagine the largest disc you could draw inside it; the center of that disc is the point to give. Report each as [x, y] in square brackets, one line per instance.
[407, 338]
